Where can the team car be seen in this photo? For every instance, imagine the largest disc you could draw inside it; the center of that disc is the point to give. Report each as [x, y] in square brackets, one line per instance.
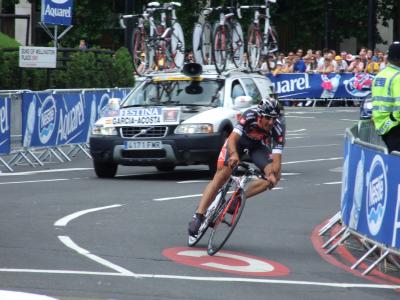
[174, 119]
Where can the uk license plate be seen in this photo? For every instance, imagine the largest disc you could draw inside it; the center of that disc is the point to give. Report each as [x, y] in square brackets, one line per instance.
[141, 145]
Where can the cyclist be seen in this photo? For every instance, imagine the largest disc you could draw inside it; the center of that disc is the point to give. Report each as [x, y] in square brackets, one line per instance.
[258, 131]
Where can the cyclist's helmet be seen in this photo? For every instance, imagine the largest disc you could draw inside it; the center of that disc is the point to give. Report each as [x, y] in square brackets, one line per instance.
[269, 107]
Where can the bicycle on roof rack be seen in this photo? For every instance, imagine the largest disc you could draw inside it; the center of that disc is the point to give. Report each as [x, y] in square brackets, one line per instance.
[228, 43]
[260, 41]
[157, 44]
[202, 38]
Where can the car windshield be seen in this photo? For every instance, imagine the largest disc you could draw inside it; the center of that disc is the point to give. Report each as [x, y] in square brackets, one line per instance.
[177, 93]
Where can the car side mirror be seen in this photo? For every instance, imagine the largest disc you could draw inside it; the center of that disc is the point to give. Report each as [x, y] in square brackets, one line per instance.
[242, 102]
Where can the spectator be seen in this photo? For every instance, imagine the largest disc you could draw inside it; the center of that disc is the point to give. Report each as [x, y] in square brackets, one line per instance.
[327, 67]
[281, 58]
[356, 66]
[372, 66]
[298, 62]
[245, 60]
[341, 65]
[349, 58]
[82, 44]
[189, 57]
[264, 65]
[318, 58]
[278, 69]
[271, 62]
[288, 67]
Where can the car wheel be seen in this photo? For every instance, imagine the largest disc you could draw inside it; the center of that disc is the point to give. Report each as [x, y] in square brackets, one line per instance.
[166, 167]
[105, 169]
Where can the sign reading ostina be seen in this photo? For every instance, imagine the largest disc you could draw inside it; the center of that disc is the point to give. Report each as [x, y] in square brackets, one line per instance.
[57, 12]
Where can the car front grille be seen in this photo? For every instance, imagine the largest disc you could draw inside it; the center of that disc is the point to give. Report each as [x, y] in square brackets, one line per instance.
[158, 153]
[144, 132]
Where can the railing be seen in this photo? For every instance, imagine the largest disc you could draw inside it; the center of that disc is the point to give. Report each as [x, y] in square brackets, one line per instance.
[370, 204]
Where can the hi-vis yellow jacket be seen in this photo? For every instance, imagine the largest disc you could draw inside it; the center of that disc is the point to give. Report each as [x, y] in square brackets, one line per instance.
[386, 99]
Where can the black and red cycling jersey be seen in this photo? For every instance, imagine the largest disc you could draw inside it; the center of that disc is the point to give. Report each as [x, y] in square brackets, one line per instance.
[248, 125]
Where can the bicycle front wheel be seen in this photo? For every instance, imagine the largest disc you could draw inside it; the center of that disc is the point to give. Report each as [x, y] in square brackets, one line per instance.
[237, 45]
[221, 46]
[225, 220]
[253, 47]
[139, 51]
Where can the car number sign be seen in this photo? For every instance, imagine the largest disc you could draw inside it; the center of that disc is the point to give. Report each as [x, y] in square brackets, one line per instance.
[142, 145]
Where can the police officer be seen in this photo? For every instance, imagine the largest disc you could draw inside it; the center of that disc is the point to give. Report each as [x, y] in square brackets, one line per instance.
[386, 100]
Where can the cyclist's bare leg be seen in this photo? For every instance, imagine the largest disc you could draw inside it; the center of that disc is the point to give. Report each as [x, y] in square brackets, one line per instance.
[211, 190]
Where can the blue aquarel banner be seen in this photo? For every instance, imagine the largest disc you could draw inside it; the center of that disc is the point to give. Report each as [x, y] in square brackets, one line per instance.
[325, 86]
[55, 119]
[371, 194]
[57, 12]
[5, 132]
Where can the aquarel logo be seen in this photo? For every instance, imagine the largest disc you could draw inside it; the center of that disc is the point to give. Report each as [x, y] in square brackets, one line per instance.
[4, 122]
[376, 194]
[63, 11]
[292, 84]
[359, 85]
[47, 119]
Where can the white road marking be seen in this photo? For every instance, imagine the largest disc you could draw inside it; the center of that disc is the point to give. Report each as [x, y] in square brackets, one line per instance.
[294, 137]
[193, 181]
[14, 295]
[213, 279]
[296, 130]
[34, 181]
[311, 146]
[350, 120]
[70, 244]
[178, 197]
[44, 171]
[332, 183]
[64, 221]
[298, 117]
[296, 134]
[311, 160]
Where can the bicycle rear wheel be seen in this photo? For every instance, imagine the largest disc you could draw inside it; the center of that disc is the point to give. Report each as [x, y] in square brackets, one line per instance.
[139, 51]
[224, 222]
[205, 43]
[177, 45]
[237, 45]
[221, 45]
[253, 47]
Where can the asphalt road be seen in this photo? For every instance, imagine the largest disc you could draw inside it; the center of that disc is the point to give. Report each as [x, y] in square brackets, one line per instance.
[67, 234]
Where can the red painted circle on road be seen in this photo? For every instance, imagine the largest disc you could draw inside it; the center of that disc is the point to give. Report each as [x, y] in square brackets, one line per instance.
[226, 261]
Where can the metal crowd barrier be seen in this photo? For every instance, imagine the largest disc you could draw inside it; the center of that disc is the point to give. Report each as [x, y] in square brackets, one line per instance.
[362, 134]
[21, 155]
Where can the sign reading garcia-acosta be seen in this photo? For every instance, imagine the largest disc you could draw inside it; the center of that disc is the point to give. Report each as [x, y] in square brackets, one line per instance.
[58, 12]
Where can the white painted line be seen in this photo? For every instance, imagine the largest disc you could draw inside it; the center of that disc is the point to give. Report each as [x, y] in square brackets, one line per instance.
[296, 130]
[34, 181]
[332, 183]
[290, 174]
[178, 197]
[212, 279]
[296, 134]
[193, 181]
[350, 120]
[15, 295]
[312, 146]
[311, 160]
[298, 117]
[294, 137]
[64, 221]
[45, 171]
[70, 244]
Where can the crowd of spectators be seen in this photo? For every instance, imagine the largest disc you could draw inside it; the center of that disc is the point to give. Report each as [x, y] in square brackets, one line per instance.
[325, 62]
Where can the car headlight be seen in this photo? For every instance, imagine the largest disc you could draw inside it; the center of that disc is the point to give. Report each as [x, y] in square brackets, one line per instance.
[194, 128]
[101, 130]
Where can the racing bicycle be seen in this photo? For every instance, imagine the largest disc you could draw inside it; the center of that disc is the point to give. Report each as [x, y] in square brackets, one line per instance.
[260, 42]
[162, 45]
[228, 43]
[202, 38]
[224, 212]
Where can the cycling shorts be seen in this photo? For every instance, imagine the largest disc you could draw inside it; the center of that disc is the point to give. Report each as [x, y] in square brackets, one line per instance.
[259, 153]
